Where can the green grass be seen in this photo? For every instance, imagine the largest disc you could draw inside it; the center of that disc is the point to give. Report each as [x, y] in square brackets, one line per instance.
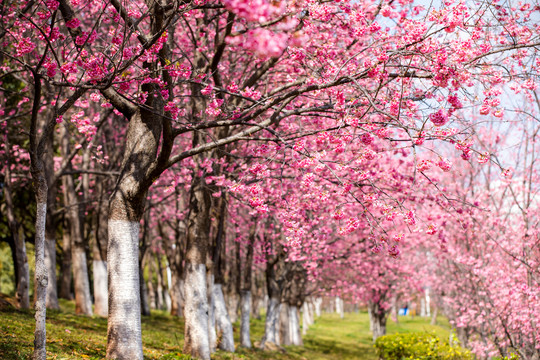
[78, 337]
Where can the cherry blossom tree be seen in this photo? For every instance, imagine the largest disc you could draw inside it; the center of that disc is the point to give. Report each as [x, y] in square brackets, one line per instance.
[197, 81]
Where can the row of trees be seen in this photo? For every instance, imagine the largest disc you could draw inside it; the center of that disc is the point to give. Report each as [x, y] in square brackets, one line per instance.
[298, 138]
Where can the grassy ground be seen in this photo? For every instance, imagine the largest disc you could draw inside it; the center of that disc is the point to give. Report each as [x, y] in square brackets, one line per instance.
[78, 337]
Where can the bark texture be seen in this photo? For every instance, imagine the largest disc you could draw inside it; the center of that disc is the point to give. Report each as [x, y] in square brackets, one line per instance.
[196, 312]
[196, 309]
[124, 322]
[40, 334]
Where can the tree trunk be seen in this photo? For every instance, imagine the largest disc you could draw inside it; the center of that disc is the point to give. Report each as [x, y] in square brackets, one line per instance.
[99, 267]
[160, 301]
[145, 301]
[283, 324]
[40, 335]
[212, 335]
[233, 302]
[41, 269]
[65, 272]
[83, 301]
[100, 287]
[307, 317]
[244, 286]
[50, 263]
[152, 296]
[126, 207]
[271, 323]
[295, 336]
[318, 303]
[245, 307]
[377, 320]
[257, 302]
[223, 323]
[339, 307]
[196, 340]
[196, 311]
[99, 255]
[289, 325]
[124, 339]
[177, 295]
[23, 273]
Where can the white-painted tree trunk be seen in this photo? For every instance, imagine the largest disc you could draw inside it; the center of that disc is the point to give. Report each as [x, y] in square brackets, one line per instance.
[124, 340]
[223, 323]
[24, 273]
[339, 307]
[167, 291]
[41, 276]
[307, 317]
[271, 323]
[379, 329]
[83, 300]
[50, 262]
[101, 296]
[318, 303]
[152, 298]
[169, 277]
[167, 300]
[289, 325]
[196, 311]
[245, 307]
[212, 335]
[283, 325]
[295, 337]
[160, 299]
[377, 319]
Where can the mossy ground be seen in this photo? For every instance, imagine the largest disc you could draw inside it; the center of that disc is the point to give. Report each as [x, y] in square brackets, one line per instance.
[78, 337]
